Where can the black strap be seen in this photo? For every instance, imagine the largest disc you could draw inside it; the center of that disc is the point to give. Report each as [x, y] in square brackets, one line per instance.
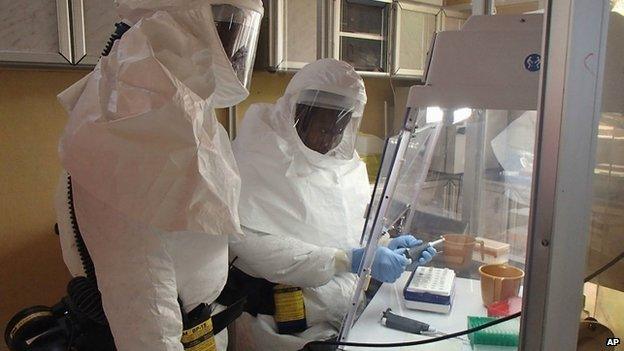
[257, 291]
[226, 317]
[220, 320]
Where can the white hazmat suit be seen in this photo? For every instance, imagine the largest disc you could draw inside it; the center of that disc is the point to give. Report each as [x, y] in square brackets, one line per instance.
[155, 184]
[301, 210]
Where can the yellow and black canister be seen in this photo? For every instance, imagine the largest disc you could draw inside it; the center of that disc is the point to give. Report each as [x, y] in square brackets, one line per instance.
[290, 314]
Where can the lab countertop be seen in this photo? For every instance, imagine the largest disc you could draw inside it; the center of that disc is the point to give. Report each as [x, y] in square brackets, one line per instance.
[467, 302]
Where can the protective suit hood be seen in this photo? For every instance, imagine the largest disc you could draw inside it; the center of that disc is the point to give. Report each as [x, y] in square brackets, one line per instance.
[198, 60]
[290, 190]
[328, 75]
[159, 85]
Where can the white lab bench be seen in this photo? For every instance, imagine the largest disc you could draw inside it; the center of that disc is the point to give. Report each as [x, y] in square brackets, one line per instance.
[467, 302]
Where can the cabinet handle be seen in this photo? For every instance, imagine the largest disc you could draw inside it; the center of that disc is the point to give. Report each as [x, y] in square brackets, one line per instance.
[78, 31]
[64, 30]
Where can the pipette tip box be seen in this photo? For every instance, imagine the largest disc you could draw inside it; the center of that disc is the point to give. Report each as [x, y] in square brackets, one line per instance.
[430, 289]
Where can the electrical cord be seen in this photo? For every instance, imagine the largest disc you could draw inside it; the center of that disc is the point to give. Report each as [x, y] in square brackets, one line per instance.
[605, 267]
[456, 334]
[418, 342]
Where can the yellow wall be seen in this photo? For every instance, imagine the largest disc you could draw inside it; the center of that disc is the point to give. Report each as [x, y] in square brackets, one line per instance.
[31, 120]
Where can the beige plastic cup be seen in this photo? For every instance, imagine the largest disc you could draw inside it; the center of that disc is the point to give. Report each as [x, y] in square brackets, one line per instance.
[499, 282]
[458, 250]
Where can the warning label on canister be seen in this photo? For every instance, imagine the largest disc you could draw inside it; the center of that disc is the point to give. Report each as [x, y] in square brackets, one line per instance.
[199, 337]
[289, 305]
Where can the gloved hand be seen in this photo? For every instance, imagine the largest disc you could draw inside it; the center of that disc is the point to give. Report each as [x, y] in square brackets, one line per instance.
[404, 241]
[388, 265]
[427, 255]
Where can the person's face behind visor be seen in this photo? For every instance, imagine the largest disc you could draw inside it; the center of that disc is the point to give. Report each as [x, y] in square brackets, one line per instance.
[321, 128]
[238, 30]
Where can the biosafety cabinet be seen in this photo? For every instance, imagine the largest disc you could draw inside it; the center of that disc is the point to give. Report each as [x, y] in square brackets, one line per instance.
[516, 103]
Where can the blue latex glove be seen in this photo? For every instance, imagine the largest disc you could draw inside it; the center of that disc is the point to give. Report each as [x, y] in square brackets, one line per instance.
[388, 265]
[409, 241]
[427, 255]
[404, 241]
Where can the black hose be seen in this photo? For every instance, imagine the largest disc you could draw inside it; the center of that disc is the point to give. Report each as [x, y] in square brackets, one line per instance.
[120, 29]
[85, 257]
[605, 267]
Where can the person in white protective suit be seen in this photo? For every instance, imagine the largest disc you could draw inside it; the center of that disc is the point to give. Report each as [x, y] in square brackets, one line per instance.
[154, 182]
[303, 199]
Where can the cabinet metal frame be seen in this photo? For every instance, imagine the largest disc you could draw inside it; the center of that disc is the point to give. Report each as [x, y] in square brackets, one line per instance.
[569, 111]
[79, 36]
[398, 8]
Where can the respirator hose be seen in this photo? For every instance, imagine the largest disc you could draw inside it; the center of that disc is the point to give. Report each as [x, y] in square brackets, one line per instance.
[85, 257]
[120, 29]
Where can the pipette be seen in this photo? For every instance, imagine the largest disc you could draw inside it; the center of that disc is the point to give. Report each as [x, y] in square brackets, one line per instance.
[415, 252]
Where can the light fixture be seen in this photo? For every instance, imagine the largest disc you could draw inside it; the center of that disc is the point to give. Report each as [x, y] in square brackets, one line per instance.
[461, 114]
[434, 114]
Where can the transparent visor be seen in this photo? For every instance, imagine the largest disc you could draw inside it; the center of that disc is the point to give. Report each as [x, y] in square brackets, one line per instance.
[238, 30]
[321, 119]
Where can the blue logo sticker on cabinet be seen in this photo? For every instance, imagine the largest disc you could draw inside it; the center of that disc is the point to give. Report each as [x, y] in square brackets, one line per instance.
[533, 62]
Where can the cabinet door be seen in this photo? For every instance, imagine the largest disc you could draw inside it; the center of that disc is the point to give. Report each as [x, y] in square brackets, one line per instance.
[452, 20]
[415, 26]
[93, 22]
[294, 27]
[361, 34]
[33, 31]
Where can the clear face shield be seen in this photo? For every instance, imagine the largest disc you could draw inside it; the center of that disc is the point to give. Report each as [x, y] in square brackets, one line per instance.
[238, 30]
[321, 119]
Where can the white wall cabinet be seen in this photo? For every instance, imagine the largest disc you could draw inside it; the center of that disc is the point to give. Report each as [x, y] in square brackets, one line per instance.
[389, 38]
[361, 34]
[451, 20]
[55, 32]
[415, 26]
[34, 31]
[297, 32]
